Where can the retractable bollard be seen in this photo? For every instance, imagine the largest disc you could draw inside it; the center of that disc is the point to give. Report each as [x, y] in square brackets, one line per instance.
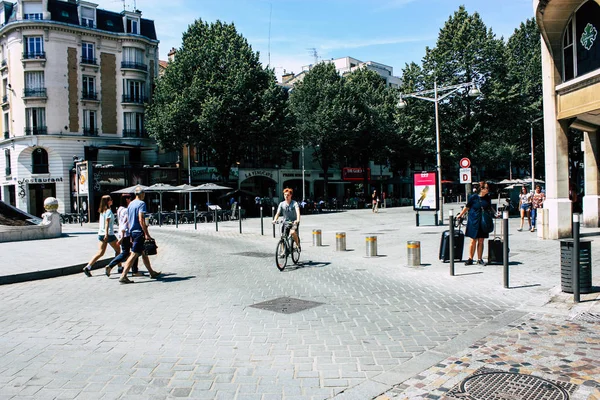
[195, 219]
[159, 216]
[451, 241]
[413, 250]
[216, 220]
[340, 241]
[505, 248]
[176, 218]
[240, 217]
[272, 215]
[316, 237]
[262, 228]
[371, 245]
[575, 257]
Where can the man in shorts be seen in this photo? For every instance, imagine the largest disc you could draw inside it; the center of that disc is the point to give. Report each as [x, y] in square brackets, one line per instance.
[139, 234]
[290, 210]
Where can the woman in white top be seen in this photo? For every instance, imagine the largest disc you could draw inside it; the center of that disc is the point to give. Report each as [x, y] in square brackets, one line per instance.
[105, 232]
[525, 207]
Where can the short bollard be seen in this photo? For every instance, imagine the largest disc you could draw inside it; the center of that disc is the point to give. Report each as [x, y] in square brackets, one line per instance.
[316, 237]
[371, 244]
[240, 217]
[413, 253]
[272, 215]
[195, 219]
[340, 241]
[262, 228]
[176, 219]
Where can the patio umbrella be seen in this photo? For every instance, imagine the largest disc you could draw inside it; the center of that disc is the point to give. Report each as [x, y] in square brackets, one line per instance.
[130, 189]
[208, 188]
[184, 189]
[160, 188]
[507, 182]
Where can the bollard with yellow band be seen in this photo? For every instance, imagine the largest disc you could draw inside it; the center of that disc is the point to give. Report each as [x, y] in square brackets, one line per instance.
[413, 253]
[340, 241]
[371, 244]
[316, 237]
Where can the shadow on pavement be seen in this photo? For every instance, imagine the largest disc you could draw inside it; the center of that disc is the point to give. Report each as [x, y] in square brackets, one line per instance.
[524, 286]
[306, 264]
[469, 273]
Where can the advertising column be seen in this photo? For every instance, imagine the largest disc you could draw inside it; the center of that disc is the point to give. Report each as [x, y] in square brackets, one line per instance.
[425, 192]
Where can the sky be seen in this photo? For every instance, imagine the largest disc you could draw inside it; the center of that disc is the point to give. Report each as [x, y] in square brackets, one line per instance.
[290, 34]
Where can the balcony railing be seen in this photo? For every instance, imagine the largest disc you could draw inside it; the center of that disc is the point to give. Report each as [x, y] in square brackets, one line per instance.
[38, 130]
[138, 99]
[88, 60]
[3, 63]
[134, 65]
[5, 99]
[89, 23]
[90, 131]
[135, 133]
[86, 95]
[33, 55]
[7, 171]
[6, 134]
[34, 92]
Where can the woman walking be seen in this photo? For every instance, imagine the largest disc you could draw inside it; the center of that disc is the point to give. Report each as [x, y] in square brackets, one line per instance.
[537, 201]
[105, 233]
[524, 207]
[476, 205]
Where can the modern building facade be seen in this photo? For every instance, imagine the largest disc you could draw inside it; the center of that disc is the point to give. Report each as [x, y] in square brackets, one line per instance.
[74, 81]
[571, 85]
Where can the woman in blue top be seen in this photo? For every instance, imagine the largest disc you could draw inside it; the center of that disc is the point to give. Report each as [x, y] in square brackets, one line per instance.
[106, 233]
[475, 206]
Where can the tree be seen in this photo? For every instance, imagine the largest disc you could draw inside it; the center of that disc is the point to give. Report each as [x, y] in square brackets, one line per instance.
[320, 105]
[215, 94]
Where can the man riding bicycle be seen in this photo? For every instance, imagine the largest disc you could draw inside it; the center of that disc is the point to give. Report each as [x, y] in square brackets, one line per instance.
[290, 210]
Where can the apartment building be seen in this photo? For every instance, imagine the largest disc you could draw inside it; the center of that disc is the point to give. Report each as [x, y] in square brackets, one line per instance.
[74, 81]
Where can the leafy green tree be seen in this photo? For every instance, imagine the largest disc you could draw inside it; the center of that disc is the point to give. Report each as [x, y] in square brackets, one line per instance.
[319, 104]
[215, 94]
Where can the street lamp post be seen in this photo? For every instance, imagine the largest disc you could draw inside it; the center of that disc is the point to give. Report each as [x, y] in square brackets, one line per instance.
[303, 183]
[532, 158]
[424, 95]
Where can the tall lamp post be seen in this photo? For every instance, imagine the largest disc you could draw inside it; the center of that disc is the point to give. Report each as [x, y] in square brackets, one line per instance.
[425, 95]
[303, 183]
[532, 148]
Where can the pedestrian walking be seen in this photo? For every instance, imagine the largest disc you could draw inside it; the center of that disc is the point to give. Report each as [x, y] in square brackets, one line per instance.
[105, 233]
[525, 207]
[476, 205]
[139, 234]
[537, 202]
[375, 200]
[124, 238]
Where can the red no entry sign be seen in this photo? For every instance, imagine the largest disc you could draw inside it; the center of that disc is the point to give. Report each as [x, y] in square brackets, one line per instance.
[464, 162]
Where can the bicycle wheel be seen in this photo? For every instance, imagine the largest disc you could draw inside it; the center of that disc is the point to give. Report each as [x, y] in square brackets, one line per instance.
[281, 255]
[295, 252]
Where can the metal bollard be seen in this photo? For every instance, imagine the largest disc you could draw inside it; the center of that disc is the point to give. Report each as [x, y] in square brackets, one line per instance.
[340, 241]
[159, 216]
[413, 249]
[316, 237]
[272, 215]
[371, 242]
[216, 221]
[240, 217]
[195, 219]
[575, 257]
[176, 219]
[506, 272]
[451, 241]
[262, 228]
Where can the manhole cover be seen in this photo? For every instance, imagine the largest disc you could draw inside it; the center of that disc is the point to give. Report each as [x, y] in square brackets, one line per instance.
[254, 254]
[286, 305]
[493, 384]
[587, 317]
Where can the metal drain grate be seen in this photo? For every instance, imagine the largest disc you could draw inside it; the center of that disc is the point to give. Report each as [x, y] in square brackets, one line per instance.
[587, 317]
[254, 254]
[286, 305]
[494, 384]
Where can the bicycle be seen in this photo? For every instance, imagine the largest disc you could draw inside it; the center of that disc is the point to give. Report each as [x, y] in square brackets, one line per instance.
[286, 246]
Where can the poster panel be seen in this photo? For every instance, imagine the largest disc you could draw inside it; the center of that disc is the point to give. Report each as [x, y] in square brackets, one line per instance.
[83, 177]
[425, 189]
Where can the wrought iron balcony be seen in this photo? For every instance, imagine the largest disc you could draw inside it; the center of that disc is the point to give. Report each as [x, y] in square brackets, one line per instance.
[38, 130]
[34, 92]
[90, 131]
[5, 99]
[135, 133]
[134, 98]
[134, 65]
[33, 55]
[87, 95]
[89, 60]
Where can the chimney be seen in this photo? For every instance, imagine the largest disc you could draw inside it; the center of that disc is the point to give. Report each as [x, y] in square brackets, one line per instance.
[171, 54]
[285, 78]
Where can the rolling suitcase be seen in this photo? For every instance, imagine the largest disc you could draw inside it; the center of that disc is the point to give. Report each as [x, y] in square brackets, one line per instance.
[459, 242]
[496, 249]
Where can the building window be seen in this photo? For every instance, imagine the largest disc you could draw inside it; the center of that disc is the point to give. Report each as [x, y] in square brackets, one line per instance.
[88, 17]
[33, 10]
[88, 53]
[133, 58]
[35, 121]
[39, 161]
[89, 88]
[34, 84]
[7, 171]
[133, 124]
[34, 47]
[6, 126]
[134, 91]
[37, 16]
[132, 26]
[89, 123]
[581, 47]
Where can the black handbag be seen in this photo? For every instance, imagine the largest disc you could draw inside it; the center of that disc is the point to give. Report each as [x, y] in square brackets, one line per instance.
[150, 247]
[487, 221]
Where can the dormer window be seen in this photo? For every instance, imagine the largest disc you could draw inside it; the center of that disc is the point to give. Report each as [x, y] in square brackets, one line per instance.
[33, 11]
[88, 17]
[132, 25]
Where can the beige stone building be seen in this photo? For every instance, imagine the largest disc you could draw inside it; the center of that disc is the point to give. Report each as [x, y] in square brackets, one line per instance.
[571, 84]
[73, 80]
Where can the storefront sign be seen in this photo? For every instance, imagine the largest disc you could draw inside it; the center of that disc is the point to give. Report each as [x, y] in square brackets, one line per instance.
[203, 174]
[257, 172]
[425, 191]
[355, 174]
[82, 177]
[40, 180]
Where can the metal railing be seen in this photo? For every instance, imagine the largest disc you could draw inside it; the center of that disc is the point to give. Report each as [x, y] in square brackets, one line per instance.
[38, 130]
[34, 92]
[134, 65]
[88, 60]
[32, 55]
[85, 95]
[136, 133]
[90, 131]
[7, 171]
[138, 99]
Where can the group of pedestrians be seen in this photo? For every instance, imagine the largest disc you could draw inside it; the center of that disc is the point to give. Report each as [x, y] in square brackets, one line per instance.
[529, 203]
[133, 232]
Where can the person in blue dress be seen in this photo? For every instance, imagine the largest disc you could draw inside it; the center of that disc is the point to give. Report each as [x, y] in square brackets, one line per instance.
[475, 206]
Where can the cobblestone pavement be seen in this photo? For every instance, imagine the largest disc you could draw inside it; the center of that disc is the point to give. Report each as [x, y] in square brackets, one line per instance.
[382, 329]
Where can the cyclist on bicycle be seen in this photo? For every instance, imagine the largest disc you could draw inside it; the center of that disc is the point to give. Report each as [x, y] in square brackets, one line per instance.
[290, 210]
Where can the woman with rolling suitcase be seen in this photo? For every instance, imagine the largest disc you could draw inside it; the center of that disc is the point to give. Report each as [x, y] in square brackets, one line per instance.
[476, 206]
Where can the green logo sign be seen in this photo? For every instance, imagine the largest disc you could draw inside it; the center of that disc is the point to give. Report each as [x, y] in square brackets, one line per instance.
[588, 37]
